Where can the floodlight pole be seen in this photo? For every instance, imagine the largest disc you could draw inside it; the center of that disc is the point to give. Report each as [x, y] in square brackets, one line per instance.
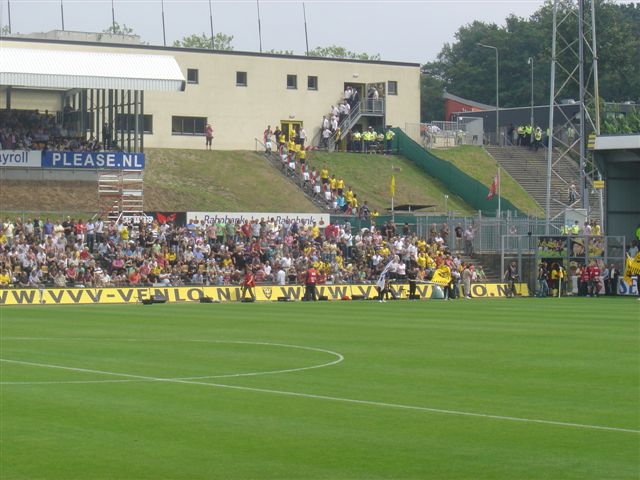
[532, 120]
[113, 17]
[306, 36]
[213, 44]
[164, 33]
[62, 14]
[9, 14]
[259, 26]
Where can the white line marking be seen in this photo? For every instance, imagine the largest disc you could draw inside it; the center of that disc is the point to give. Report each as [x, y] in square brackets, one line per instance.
[335, 399]
[339, 358]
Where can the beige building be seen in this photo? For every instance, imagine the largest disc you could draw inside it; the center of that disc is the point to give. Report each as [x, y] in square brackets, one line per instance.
[240, 93]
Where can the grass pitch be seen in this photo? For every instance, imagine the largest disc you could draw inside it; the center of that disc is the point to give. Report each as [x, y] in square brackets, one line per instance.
[521, 389]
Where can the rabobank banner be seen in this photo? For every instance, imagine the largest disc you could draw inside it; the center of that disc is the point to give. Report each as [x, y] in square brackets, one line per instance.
[21, 158]
[93, 160]
[85, 160]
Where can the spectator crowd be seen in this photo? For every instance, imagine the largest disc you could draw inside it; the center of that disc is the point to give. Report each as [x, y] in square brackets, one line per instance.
[33, 130]
[95, 253]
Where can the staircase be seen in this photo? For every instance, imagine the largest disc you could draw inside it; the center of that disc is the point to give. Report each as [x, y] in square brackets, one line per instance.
[529, 169]
[293, 177]
[120, 192]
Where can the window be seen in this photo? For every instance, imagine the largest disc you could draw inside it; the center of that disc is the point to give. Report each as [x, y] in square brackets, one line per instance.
[312, 83]
[241, 79]
[127, 122]
[192, 75]
[392, 89]
[188, 125]
[292, 82]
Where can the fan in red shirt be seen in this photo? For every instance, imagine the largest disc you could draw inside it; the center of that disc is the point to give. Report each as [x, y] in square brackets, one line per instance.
[248, 285]
[594, 279]
[583, 286]
[311, 278]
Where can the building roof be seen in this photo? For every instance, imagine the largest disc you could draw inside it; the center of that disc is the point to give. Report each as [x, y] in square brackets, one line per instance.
[471, 103]
[23, 67]
[204, 51]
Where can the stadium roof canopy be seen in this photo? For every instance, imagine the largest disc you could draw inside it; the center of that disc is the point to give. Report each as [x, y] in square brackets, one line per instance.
[21, 67]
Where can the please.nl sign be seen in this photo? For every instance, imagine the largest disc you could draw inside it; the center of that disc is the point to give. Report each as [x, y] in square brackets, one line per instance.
[85, 160]
[94, 160]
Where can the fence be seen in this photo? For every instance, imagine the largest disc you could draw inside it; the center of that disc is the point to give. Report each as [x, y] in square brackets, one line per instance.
[457, 182]
[569, 251]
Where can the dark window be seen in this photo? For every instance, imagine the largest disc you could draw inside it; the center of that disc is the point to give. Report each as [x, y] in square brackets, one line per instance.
[392, 88]
[241, 79]
[188, 125]
[127, 123]
[292, 82]
[312, 83]
[192, 75]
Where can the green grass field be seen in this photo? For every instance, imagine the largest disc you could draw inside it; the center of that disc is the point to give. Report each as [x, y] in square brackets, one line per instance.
[504, 389]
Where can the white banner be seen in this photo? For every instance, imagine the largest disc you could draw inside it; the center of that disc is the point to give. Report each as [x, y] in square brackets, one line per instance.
[322, 219]
[21, 158]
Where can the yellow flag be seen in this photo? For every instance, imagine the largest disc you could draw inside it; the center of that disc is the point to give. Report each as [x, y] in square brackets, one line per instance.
[442, 276]
[392, 187]
[632, 267]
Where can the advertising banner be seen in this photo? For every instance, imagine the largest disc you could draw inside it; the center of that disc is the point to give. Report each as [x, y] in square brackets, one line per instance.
[93, 160]
[21, 158]
[78, 296]
[322, 219]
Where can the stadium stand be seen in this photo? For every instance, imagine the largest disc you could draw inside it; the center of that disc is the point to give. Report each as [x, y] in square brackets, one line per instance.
[37, 253]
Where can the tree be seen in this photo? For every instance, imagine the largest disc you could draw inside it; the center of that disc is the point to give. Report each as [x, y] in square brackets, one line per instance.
[220, 41]
[335, 51]
[117, 29]
[4, 31]
[467, 70]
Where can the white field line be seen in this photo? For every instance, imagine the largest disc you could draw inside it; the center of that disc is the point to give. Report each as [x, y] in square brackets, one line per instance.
[339, 358]
[334, 399]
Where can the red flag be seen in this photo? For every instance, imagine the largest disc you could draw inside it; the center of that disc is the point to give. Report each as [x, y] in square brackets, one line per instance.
[493, 188]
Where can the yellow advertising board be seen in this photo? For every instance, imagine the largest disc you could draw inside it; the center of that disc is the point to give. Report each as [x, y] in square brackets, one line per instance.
[83, 296]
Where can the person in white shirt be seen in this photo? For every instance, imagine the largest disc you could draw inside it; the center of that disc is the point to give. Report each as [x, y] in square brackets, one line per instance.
[303, 136]
[281, 276]
[325, 122]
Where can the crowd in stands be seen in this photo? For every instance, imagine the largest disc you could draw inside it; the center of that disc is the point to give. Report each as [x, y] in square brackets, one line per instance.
[33, 130]
[95, 253]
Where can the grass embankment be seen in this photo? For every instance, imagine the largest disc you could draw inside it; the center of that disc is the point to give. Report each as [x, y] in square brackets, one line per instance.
[370, 177]
[477, 163]
[174, 180]
[233, 181]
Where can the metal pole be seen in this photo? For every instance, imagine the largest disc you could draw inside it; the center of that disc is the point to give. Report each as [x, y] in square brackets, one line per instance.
[532, 120]
[62, 14]
[164, 33]
[497, 98]
[9, 14]
[552, 99]
[306, 36]
[213, 44]
[499, 200]
[259, 26]
[583, 190]
[596, 87]
[113, 18]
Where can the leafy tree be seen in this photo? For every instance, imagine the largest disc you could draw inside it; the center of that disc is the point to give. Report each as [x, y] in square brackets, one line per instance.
[117, 29]
[4, 31]
[335, 51]
[221, 41]
[467, 70]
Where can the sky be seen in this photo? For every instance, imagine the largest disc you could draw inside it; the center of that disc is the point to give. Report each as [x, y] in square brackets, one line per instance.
[399, 30]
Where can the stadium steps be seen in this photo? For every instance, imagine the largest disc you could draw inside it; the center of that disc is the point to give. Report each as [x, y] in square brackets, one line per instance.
[293, 177]
[121, 192]
[529, 169]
